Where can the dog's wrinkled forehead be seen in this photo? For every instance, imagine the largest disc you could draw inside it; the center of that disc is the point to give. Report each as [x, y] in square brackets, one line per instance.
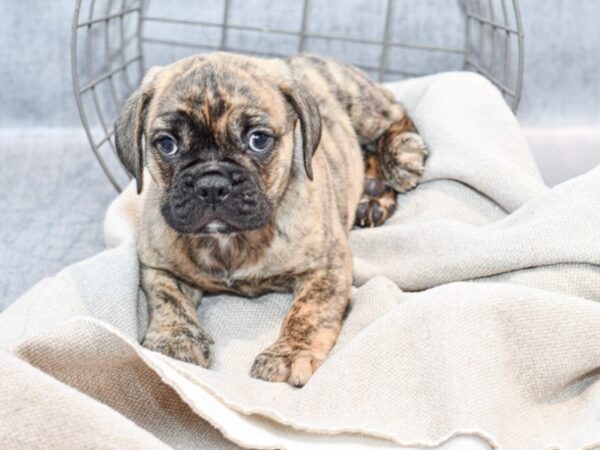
[216, 103]
[220, 89]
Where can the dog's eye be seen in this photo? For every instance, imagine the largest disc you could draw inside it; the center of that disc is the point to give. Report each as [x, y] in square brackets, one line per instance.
[260, 142]
[166, 145]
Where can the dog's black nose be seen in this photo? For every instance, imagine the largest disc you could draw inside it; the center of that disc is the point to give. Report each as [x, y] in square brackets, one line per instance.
[213, 187]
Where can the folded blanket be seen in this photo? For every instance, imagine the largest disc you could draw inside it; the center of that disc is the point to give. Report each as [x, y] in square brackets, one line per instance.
[472, 316]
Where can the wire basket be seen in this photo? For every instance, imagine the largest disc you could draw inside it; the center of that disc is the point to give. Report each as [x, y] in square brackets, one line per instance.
[115, 41]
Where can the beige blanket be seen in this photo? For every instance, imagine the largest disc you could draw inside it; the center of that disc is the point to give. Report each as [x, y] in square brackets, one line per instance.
[473, 316]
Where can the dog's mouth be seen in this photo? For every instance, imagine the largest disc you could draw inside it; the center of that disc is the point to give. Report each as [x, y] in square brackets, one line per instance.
[212, 225]
[189, 210]
[216, 226]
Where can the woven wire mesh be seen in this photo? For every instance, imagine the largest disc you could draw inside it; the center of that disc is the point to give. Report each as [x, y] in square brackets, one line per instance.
[115, 41]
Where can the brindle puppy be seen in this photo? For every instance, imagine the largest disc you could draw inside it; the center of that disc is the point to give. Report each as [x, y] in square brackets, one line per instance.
[255, 176]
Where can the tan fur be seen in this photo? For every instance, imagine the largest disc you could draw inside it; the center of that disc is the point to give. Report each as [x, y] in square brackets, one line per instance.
[304, 247]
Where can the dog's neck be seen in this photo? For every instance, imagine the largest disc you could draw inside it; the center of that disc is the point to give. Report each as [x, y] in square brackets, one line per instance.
[232, 251]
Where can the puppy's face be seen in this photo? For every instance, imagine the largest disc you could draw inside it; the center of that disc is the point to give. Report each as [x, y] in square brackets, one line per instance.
[219, 133]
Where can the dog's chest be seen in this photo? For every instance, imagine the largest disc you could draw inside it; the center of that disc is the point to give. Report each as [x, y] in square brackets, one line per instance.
[233, 282]
[232, 267]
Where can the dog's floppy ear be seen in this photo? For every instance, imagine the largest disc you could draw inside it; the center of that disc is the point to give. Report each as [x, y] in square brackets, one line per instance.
[129, 129]
[310, 119]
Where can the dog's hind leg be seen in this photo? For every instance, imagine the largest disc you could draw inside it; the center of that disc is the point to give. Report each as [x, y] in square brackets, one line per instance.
[402, 154]
[397, 166]
[379, 119]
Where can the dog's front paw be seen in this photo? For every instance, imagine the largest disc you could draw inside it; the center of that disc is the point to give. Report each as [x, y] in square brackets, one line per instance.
[285, 362]
[403, 161]
[183, 342]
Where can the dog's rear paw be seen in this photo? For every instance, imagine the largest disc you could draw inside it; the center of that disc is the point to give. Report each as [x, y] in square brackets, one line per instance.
[182, 342]
[403, 160]
[378, 201]
[373, 211]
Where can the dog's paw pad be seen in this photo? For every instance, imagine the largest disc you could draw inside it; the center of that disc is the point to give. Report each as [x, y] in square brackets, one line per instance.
[185, 343]
[372, 212]
[374, 187]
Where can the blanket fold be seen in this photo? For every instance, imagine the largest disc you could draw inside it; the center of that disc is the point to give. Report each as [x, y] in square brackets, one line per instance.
[472, 323]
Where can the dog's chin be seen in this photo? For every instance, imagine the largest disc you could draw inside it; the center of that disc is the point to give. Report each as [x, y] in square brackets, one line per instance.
[220, 227]
[217, 226]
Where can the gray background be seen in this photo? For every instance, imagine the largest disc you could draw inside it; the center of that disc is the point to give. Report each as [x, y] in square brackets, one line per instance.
[562, 57]
[52, 193]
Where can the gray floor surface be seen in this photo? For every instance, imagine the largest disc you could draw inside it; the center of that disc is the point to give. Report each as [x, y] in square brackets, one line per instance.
[52, 200]
[53, 196]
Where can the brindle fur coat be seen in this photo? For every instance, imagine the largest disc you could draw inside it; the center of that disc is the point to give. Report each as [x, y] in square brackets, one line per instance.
[281, 217]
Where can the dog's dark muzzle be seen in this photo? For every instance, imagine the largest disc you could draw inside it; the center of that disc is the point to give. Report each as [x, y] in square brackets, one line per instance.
[215, 197]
